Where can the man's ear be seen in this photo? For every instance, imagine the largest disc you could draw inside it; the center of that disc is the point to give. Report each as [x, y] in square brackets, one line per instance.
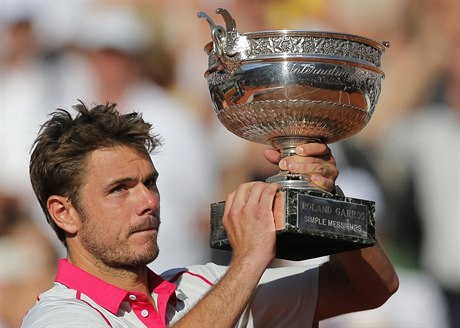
[63, 214]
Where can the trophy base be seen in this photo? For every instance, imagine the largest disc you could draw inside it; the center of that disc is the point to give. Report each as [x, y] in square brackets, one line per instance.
[317, 223]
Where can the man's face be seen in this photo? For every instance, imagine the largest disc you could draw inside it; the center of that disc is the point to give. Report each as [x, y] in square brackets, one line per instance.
[119, 208]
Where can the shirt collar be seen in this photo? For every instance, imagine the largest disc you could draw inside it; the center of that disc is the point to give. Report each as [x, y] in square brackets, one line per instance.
[103, 293]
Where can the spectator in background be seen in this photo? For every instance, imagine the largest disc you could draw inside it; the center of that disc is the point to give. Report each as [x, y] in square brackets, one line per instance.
[28, 262]
[22, 93]
[435, 195]
[30, 84]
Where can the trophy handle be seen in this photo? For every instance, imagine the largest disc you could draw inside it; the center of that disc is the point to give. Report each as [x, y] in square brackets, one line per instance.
[228, 44]
[218, 34]
[230, 23]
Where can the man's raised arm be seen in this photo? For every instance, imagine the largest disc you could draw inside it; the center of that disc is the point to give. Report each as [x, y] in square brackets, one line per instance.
[250, 225]
[355, 281]
[350, 281]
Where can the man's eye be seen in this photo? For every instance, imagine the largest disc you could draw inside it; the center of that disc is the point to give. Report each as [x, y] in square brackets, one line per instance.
[119, 188]
[151, 183]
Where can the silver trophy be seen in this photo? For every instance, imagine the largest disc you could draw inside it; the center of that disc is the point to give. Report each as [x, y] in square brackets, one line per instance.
[285, 88]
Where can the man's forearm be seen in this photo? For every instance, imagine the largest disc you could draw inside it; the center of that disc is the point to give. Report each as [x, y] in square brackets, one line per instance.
[354, 281]
[371, 273]
[223, 305]
[249, 222]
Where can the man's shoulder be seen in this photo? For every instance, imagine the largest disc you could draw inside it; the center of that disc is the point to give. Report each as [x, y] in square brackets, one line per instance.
[209, 271]
[192, 282]
[213, 272]
[58, 307]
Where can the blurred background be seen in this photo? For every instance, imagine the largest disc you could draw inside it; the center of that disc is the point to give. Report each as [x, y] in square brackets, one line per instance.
[148, 56]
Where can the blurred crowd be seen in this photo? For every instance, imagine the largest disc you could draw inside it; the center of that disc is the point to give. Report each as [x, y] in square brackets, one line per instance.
[148, 56]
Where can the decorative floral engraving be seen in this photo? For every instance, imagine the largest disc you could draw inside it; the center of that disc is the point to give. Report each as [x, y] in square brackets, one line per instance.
[313, 46]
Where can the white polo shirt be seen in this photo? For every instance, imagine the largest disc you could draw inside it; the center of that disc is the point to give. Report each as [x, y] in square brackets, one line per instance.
[285, 297]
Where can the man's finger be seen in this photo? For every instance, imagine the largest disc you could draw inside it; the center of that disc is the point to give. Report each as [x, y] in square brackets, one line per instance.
[313, 149]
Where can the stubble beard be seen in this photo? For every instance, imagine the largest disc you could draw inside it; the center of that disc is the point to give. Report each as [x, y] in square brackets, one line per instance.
[113, 254]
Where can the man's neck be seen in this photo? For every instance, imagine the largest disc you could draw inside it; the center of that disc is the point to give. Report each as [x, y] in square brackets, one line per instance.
[132, 279]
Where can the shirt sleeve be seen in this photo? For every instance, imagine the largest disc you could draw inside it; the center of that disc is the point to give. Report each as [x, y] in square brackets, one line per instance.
[63, 314]
[285, 297]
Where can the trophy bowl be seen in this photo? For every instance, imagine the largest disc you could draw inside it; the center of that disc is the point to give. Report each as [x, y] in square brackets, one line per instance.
[285, 88]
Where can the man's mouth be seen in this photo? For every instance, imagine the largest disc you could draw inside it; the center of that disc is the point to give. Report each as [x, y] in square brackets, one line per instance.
[151, 224]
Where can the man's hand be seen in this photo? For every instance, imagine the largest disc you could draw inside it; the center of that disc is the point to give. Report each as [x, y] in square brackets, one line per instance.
[312, 159]
[250, 220]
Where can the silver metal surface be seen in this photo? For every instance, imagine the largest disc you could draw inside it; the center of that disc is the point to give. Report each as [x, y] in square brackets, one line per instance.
[287, 87]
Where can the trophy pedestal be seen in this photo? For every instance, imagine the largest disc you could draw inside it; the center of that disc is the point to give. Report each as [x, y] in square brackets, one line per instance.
[317, 223]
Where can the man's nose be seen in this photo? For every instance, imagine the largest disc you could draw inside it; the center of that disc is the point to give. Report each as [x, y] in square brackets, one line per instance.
[148, 198]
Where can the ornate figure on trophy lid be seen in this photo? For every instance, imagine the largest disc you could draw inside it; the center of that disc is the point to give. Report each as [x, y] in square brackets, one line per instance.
[285, 88]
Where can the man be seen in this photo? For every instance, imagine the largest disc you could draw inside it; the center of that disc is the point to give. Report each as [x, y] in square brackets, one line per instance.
[95, 180]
